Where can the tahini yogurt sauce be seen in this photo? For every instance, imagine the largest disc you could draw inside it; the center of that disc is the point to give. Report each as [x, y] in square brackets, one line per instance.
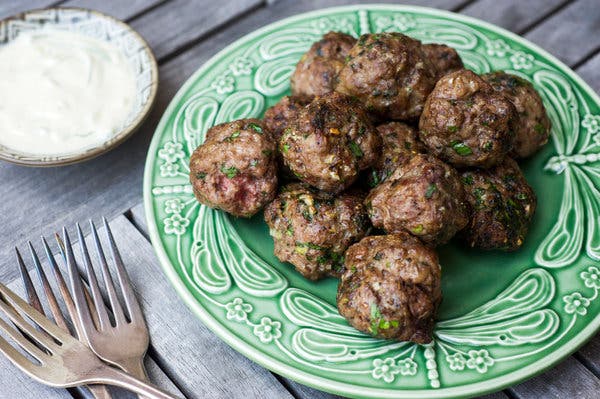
[62, 92]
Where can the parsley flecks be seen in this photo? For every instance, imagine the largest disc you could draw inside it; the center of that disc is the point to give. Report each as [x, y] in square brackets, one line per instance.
[522, 196]
[452, 129]
[200, 175]
[230, 171]
[539, 128]
[468, 179]
[254, 162]
[267, 153]
[418, 229]
[355, 149]
[285, 148]
[461, 148]
[255, 127]
[430, 190]
[233, 136]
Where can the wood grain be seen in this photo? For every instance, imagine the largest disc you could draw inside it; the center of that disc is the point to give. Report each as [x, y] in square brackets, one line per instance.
[513, 15]
[117, 8]
[590, 72]
[8, 8]
[570, 379]
[570, 34]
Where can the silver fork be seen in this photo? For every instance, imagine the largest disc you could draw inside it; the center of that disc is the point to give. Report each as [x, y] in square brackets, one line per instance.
[54, 356]
[97, 391]
[124, 344]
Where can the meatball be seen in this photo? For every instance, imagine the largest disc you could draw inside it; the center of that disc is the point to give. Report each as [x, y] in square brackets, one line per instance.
[389, 73]
[312, 229]
[279, 116]
[391, 288]
[467, 123]
[277, 119]
[444, 58]
[235, 169]
[318, 68]
[532, 123]
[329, 142]
[502, 205]
[399, 143]
[423, 196]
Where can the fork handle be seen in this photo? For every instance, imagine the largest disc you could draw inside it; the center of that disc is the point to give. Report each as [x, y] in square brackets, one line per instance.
[111, 376]
[99, 391]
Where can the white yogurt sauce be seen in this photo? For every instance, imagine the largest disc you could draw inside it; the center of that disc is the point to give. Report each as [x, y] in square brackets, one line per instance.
[62, 92]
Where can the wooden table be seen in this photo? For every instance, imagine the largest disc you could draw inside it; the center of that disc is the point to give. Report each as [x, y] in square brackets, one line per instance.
[185, 357]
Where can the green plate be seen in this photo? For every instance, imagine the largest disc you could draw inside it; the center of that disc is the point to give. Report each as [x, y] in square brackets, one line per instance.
[504, 318]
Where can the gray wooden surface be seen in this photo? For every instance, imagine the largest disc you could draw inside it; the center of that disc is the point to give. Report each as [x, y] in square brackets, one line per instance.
[185, 356]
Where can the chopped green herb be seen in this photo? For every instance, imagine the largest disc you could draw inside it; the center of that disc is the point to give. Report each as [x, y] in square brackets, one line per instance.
[362, 129]
[230, 172]
[461, 148]
[290, 230]
[468, 179]
[374, 178]
[254, 162]
[539, 128]
[430, 190]
[522, 196]
[285, 148]
[348, 58]
[452, 129]
[378, 256]
[355, 149]
[255, 127]
[488, 146]
[307, 215]
[233, 136]
[311, 246]
[469, 103]
[200, 175]
[353, 269]
[267, 153]
[407, 145]
[418, 229]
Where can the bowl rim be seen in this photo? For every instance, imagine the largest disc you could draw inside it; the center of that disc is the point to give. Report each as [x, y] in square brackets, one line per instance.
[15, 157]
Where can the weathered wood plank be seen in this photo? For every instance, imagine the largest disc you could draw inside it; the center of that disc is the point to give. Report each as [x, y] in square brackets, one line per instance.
[8, 8]
[200, 363]
[117, 8]
[172, 25]
[590, 353]
[513, 15]
[570, 379]
[590, 72]
[570, 34]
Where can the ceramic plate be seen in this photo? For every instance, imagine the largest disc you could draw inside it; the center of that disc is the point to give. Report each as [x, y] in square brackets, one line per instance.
[105, 28]
[504, 318]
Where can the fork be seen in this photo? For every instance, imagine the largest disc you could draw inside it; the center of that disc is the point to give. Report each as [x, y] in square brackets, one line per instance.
[55, 357]
[97, 391]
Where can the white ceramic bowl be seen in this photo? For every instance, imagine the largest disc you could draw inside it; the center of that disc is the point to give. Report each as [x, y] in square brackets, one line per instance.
[103, 27]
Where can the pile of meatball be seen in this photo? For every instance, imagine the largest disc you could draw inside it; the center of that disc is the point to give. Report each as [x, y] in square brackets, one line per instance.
[386, 148]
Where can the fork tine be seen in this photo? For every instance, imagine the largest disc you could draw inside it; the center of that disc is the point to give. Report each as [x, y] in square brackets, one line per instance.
[93, 282]
[108, 281]
[22, 341]
[88, 298]
[12, 303]
[30, 291]
[83, 311]
[133, 306]
[52, 302]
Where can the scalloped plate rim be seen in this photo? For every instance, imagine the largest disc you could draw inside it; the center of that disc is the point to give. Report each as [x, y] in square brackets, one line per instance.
[351, 390]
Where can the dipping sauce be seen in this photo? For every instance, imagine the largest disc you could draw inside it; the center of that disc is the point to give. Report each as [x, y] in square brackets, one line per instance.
[62, 92]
